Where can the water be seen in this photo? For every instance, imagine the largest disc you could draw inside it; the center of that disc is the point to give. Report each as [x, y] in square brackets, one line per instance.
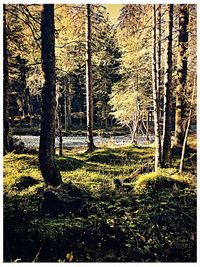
[31, 141]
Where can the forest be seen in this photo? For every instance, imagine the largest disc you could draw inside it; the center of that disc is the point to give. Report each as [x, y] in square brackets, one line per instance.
[99, 133]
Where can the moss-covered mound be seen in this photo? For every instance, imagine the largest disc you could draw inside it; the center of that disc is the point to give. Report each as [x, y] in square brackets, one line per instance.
[154, 222]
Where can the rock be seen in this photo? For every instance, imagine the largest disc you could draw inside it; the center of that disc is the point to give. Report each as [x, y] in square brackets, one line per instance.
[66, 199]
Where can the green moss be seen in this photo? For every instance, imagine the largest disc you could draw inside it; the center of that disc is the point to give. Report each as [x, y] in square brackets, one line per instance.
[162, 179]
[154, 222]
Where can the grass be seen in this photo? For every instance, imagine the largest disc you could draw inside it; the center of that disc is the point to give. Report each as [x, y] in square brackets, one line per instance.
[152, 219]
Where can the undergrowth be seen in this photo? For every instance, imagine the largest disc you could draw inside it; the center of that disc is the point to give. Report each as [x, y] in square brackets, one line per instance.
[151, 219]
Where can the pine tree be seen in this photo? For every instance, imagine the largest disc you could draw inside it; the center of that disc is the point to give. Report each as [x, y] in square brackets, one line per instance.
[181, 75]
[6, 142]
[48, 168]
[89, 97]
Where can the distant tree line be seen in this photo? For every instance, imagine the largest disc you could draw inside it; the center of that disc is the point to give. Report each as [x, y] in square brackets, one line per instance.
[68, 62]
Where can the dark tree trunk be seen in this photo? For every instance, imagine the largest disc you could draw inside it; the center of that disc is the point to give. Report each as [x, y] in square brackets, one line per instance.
[48, 168]
[29, 107]
[89, 97]
[187, 128]
[182, 75]
[67, 105]
[59, 123]
[156, 100]
[60, 132]
[6, 142]
[158, 57]
[166, 154]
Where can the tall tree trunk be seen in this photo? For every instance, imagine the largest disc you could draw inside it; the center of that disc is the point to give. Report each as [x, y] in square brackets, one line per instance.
[48, 168]
[156, 102]
[6, 142]
[67, 104]
[59, 128]
[158, 56]
[89, 97]
[58, 121]
[29, 109]
[182, 75]
[166, 154]
[187, 128]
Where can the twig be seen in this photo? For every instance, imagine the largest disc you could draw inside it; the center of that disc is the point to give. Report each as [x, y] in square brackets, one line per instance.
[37, 255]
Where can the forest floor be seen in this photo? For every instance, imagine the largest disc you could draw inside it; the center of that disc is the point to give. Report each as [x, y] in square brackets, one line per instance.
[150, 219]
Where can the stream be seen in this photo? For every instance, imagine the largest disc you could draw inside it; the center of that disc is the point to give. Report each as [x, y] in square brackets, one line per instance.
[31, 141]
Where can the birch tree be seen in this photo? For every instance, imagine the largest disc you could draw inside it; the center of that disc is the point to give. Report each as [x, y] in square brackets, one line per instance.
[166, 153]
[156, 100]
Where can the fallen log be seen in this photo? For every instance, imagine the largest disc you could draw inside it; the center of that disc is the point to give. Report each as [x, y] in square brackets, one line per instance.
[147, 167]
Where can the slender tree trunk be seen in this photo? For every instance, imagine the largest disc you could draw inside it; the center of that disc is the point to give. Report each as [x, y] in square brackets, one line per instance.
[59, 123]
[6, 142]
[166, 154]
[182, 75]
[48, 167]
[59, 129]
[69, 107]
[89, 97]
[158, 56]
[67, 104]
[187, 128]
[29, 109]
[156, 102]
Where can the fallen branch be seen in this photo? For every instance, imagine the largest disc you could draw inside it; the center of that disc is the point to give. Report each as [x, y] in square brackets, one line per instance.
[37, 255]
[147, 167]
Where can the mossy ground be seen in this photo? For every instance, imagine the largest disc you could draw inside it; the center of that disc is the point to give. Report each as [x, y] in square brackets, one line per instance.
[153, 221]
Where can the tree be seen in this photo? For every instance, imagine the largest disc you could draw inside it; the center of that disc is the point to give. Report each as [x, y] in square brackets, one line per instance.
[6, 142]
[166, 152]
[128, 107]
[132, 95]
[158, 57]
[89, 97]
[48, 168]
[187, 127]
[181, 75]
[67, 104]
[156, 100]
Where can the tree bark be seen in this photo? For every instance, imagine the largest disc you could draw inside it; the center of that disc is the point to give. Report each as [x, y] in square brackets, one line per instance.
[182, 75]
[48, 168]
[158, 56]
[6, 142]
[60, 131]
[67, 105]
[156, 101]
[58, 119]
[166, 153]
[89, 96]
[187, 129]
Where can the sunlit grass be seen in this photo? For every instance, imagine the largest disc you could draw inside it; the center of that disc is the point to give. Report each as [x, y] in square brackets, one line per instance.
[145, 220]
